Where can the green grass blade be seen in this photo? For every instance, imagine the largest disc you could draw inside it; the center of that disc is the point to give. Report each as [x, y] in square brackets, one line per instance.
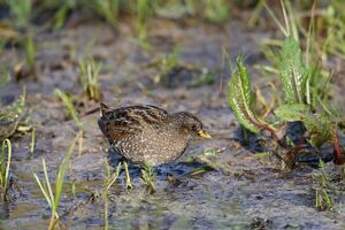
[276, 20]
[33, 140]
[62, 169]
[49, 188]
[114, 177]
[43, 190]
[9, 156]
[66, 100]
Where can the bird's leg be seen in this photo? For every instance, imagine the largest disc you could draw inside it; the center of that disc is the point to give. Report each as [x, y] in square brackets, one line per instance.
[129, 185]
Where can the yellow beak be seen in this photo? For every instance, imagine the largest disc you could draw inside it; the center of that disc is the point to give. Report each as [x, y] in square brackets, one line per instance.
[204, 134]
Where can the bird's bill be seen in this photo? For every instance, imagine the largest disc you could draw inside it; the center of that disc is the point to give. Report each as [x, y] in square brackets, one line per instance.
[103, 108]
[204, 134]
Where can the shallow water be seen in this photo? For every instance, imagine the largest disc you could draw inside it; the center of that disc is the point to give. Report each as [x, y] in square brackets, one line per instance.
[243, 194]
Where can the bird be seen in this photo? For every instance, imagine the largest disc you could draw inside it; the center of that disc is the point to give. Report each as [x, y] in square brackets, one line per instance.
[147, 134]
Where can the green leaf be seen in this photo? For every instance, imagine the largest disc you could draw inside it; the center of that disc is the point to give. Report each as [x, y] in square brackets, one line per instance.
[10, 116]
[293, 73]
[292, 112]
[240, 98]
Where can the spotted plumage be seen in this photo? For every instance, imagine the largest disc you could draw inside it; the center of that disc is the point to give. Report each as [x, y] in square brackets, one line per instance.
[148, 134]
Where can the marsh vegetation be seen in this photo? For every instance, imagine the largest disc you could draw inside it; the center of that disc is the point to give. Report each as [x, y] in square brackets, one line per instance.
[265, 77]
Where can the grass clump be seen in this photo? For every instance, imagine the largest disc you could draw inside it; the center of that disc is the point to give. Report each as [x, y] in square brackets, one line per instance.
[323, 200]
[108, 9]
[61, 13]
[148, 177]
[53, 197]
[21, 11]
[5, 162]
[217, 11]
[89, 75]
[165, 64]
[144, 10]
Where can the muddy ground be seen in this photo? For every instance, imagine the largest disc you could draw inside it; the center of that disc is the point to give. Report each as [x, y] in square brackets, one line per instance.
[244, 193]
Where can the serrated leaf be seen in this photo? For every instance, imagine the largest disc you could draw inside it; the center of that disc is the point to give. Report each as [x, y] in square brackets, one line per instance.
[240, 98]
[293, 73]
[292, 112]
[10, 116]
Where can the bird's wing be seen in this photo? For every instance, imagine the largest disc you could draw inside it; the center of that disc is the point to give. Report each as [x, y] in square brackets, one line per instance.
[148, 114]
[124, 122]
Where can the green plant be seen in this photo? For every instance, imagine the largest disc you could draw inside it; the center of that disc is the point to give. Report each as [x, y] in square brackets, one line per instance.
[148, 177]
[317, 78]
[53, 198]
[256, 13]
[323, 200]
[165, 64]
[174, 9]
[89, 74]
[109, 9]
[334, 19]
[217, 11]
[21, 11]
[305, 93]
[11, 116]
[5, 163]
[294, 75]
[326, 21]
[290, 26]
[62, 11]
[121, 166]
[67, 101]
[33, 140]
[30, 53]
[144, 10]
